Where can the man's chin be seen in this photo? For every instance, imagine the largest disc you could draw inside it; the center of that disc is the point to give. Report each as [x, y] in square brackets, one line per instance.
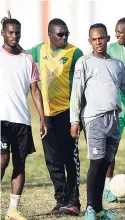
[100, 51]
[13, 45]
[121, 43]
[63, 45]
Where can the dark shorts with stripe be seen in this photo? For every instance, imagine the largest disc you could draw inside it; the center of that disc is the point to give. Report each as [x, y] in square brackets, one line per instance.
[16, 138]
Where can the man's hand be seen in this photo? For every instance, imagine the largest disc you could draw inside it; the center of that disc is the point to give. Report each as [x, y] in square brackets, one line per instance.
[75, 130]
[38, 101]
[43, 129]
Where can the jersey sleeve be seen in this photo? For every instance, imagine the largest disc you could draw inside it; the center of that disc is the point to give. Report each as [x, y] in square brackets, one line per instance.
[77, 91]
[35, 75]
[34, 72]
[77, 54]
[35, 52]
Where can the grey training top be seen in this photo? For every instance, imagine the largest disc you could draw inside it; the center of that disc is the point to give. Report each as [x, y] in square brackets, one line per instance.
[99, 80]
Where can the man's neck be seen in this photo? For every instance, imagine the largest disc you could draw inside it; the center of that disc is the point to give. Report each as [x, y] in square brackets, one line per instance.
[103, 55]
[12, 50]
[122, 45]
[53, 47]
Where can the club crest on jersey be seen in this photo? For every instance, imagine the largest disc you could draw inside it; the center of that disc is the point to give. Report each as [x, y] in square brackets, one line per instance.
[45, 58]
[63, 60]
[77, 74]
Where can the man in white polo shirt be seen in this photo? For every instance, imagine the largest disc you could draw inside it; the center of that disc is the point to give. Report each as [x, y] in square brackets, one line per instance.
[18, 74]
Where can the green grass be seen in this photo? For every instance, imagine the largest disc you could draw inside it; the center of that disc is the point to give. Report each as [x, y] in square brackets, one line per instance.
[38, 200]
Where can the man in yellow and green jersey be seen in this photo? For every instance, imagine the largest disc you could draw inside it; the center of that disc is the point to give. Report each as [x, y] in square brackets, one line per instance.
[57, 59]
[56, 75]
[117, 50]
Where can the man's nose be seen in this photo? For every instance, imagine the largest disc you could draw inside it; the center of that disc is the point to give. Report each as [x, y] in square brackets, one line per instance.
[64, 36]
[117, 34]
[15, 35]
[98, 42]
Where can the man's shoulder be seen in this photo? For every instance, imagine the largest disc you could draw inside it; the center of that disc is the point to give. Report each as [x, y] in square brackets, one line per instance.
[28, 56]
[72, 46]
[2, 50]
[86, 57]
[78, 50]
[114, 45]
[38, 46]
[118, 62]
[35, 50]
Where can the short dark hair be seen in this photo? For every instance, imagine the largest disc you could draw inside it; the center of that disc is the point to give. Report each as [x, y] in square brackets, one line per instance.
[55, 21]
[122, 20]
[98, 25]
[6, 21]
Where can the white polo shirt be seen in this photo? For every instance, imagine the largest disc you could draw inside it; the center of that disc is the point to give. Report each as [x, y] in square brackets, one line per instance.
[17, 72]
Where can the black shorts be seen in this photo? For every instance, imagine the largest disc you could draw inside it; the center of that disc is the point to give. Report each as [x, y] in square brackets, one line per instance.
[18, 137]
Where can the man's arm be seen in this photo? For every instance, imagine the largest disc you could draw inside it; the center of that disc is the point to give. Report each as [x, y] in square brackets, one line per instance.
[77, 54]
[76, 95]
[38, 101]
[37, 96]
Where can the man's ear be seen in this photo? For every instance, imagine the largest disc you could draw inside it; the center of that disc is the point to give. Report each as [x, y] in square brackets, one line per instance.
[108, 38]
[2, 33]
[50, 35]
[89, 40]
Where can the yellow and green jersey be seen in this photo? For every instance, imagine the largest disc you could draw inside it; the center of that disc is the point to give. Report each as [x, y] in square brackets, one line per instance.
[115, 50]
[57, 69]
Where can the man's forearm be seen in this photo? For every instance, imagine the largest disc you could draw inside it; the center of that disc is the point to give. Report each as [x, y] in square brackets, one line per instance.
[75, 106]
[38, 101]
[77, 91]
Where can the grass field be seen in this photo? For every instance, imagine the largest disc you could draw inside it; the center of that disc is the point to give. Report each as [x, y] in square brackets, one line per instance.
[37, 198]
